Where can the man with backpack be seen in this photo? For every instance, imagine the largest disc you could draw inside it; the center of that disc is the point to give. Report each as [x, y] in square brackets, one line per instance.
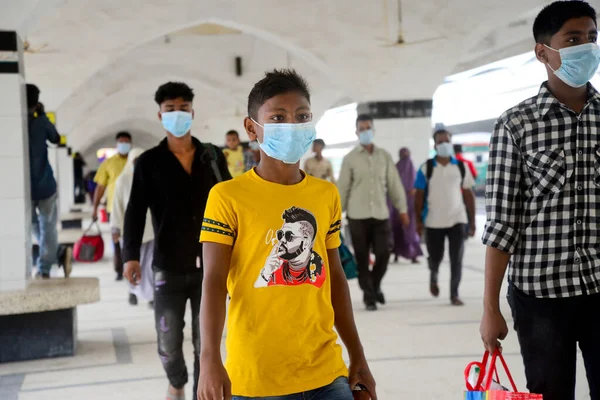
[173, 180]
[444, 187]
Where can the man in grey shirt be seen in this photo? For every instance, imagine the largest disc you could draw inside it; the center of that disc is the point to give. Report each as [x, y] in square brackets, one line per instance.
[367, 177]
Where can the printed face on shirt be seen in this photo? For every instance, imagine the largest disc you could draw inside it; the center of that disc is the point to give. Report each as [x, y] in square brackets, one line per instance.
[292, 260]
[295, 242]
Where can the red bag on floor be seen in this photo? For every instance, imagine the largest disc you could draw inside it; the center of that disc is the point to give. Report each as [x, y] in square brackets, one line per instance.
[482, 386]
[89, 248]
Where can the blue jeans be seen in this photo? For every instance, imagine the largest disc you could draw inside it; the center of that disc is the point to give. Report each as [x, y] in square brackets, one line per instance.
[44, 216]
[338, 390]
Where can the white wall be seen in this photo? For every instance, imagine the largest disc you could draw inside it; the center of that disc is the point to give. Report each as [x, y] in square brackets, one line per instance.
[15, 197]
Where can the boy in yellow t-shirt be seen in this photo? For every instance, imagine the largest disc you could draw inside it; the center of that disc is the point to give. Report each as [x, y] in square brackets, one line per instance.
[271, 241]
[234, 154]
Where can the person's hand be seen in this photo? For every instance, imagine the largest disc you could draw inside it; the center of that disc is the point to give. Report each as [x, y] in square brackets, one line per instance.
[404, 219]
[133, 272]
[213, 383]
[273, 263]
[420, 228]
[360, 373]
[472, 229]
[116, 237]
[95, 214]
[493, 328]
[412, 192]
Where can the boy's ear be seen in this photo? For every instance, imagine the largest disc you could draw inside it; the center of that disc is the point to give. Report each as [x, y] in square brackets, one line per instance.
[541, 53]
[250, 129]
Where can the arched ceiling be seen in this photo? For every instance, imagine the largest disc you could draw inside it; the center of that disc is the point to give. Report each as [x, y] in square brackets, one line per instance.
[99, 63]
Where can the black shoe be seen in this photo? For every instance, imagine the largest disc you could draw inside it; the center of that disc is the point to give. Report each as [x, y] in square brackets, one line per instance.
[151, 305]
[457, 302]
[119, 277]
[434, 289]
[371, 307]
[42, 275]
[380, 297]
[133, 299]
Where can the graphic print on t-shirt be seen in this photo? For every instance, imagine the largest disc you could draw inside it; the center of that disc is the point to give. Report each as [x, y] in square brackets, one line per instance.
[292, 260]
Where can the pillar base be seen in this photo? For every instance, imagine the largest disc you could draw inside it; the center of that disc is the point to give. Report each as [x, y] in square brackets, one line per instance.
[38, 335]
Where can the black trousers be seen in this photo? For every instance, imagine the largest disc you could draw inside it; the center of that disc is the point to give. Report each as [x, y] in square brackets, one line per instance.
[436, 241]
[370, 234]
[172, 292]
[549, 331]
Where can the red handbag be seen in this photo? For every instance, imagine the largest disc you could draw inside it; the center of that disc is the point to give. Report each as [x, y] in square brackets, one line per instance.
[90, 247]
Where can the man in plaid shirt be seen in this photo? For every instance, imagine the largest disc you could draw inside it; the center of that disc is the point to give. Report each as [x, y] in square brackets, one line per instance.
[543, 215]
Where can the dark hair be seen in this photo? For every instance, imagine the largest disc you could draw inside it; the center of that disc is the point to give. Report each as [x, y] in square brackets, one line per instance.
[552, 18]
[458, 148]
[363, 117]
[123, 134]
[233, 132]
[440, 132]
[276, 82]
[295, 214]
[172, 91]
[33, 95]
[319, 141]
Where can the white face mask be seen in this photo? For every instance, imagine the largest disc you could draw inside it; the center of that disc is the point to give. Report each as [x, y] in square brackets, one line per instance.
[445, 150]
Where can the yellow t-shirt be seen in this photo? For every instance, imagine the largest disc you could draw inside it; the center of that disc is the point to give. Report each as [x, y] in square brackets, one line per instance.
[235, 160]
[280, 337]
[107, 175]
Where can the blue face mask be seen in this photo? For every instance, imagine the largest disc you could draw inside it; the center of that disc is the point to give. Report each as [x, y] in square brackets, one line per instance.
[178, 123]
[366, 137]
[123, 148]
[578, 64]
[287, 142]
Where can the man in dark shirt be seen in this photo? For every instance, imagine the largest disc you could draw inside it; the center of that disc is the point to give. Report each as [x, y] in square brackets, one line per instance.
[43, 185]
[173, 180]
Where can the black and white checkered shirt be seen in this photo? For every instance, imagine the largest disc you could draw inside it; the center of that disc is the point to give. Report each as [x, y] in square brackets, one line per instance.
[543, 195]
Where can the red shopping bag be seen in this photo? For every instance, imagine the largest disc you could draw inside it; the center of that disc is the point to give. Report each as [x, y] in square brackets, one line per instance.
[89, 248]
[486, 388]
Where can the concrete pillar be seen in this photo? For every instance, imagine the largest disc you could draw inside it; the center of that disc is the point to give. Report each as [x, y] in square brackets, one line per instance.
[15, 199]
[402, 124]
[65, 180]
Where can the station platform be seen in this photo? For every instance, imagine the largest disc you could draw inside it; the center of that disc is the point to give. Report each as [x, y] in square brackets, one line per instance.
[417, 346]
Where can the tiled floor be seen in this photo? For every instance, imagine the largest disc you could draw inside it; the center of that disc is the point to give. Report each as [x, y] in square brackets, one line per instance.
[417, 346]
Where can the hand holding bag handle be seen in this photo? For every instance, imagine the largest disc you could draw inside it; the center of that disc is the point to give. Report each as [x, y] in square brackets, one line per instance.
[487, 375]
[94, 223]
[488, 383]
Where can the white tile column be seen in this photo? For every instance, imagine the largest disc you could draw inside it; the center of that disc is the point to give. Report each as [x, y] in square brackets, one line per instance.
[15, 203]
[65, 180]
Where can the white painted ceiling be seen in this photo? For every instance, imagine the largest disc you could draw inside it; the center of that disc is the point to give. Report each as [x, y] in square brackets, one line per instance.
[99, 62]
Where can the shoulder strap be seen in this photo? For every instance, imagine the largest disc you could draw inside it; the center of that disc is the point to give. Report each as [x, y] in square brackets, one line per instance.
[211, 153]
[429, 169]
[461, 167]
